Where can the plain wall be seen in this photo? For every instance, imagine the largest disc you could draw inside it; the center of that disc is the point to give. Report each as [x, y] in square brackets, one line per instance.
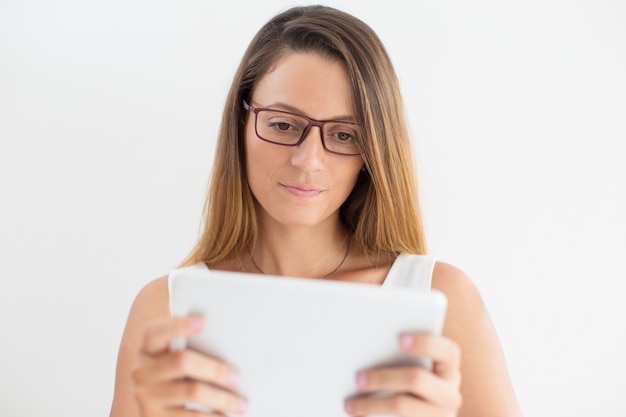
[108, 118]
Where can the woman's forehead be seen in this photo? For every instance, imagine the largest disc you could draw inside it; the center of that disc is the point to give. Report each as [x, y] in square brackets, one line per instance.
[309, 83]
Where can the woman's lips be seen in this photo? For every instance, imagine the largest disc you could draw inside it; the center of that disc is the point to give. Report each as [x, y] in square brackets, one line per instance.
[301, 190]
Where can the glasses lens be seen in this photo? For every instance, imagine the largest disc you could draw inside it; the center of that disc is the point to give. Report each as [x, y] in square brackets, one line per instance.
[280, 127]
[341, 138]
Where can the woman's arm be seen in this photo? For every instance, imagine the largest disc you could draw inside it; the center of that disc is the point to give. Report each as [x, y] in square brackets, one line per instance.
[150, 304]
[485, 385]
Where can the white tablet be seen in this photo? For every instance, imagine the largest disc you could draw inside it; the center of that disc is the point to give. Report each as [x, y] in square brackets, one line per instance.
[298, 343]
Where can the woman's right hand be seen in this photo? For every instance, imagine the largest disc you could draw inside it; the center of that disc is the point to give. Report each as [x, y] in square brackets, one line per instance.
[167, 381]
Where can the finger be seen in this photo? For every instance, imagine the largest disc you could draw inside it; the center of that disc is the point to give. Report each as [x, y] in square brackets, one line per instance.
[414, 380]
[445, 353]
[159, 334]
[186, 364]
[396, 404]
[176, 394]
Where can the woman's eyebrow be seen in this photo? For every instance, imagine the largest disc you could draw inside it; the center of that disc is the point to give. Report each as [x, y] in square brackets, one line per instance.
[279, 105]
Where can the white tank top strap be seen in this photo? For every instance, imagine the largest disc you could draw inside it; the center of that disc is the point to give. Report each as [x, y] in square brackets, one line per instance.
[414, 271]
[199, 265]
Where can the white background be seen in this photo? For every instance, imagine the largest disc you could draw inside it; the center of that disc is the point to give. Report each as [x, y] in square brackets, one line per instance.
[108, 117]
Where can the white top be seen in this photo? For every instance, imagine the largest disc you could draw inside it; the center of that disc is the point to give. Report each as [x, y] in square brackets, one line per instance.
[413, 271]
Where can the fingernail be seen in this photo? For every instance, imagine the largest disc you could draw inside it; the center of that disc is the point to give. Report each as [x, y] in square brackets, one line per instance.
[196, 323]
[348, 406]
[361, 380]
[406, 341]
[243, 406]
[233, 379]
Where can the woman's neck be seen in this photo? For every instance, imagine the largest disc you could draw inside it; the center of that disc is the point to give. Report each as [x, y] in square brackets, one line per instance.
[300, 251]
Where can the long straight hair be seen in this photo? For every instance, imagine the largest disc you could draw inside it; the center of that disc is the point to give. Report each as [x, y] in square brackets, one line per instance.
[382, 212]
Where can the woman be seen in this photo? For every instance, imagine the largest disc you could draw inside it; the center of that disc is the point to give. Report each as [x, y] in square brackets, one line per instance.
[313, 178]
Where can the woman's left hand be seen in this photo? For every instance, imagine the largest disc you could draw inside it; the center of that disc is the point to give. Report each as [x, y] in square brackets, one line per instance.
[415, 390]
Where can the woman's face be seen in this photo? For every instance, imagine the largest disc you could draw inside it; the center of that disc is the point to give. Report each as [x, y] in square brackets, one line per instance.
[301, 185]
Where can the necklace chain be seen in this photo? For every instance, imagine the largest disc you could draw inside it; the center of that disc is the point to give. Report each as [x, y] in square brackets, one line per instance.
[325, 276]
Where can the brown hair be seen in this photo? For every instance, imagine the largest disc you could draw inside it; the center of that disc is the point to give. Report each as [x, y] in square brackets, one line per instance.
[382, 212]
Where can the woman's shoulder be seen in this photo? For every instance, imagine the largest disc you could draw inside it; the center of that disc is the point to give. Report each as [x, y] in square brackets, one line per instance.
[464, 299]
[152, 301]
[450, 279]
[467, 320]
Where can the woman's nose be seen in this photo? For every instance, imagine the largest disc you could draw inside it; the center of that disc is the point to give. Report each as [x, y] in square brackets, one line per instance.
[310, 153]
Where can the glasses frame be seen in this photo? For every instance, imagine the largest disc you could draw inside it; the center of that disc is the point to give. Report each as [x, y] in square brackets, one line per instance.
[311, 122]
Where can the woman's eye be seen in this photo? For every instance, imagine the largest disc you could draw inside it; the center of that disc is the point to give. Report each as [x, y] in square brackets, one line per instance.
[285, 125]
[344, 136]
[282, 125]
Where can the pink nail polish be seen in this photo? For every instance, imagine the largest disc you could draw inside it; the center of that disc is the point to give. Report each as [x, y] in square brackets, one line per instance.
[233, 379]
[361, 380]
[349, 406]
[197, 324]
[243, 406]
[406, 341]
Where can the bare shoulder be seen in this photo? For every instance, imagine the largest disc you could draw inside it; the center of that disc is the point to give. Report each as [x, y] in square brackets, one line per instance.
[486, 387]
[152, 301]
[450, 279]
[463, 296]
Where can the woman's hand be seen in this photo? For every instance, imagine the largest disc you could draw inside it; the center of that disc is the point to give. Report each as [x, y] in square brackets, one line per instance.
[415, 390]
[166, 381]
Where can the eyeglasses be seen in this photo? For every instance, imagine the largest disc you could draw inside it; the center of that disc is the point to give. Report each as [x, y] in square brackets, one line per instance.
[289, 129]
